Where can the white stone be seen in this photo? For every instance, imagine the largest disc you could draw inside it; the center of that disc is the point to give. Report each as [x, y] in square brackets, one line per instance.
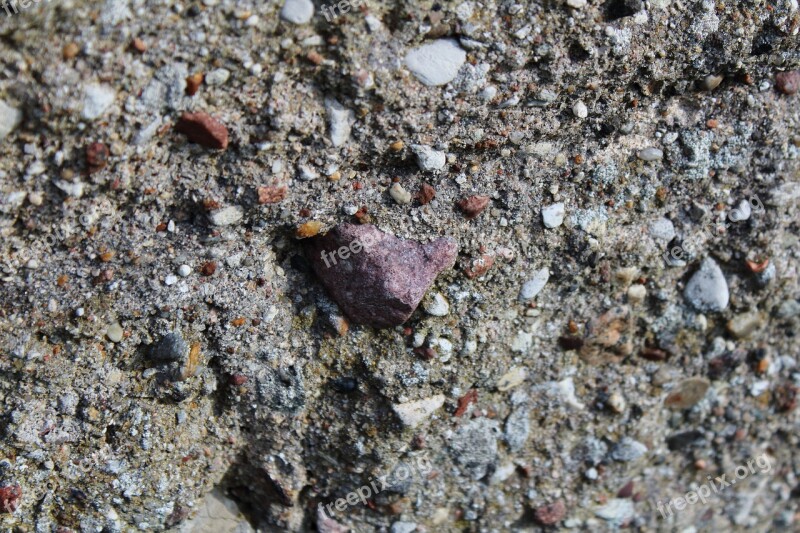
[580, 110]
[650, 154]
[297, 11]
[436, 305]
[171, 279]
[227, 215]
[97, 100]
[742, 212]
[428, 159]
[217, 77]
[707, 290]
[114, 332]
[10, 117]
[662, 229]
[340, 121]
[216, 513]
[617, 511]
[534, 285]
[637, 293]
[553, 215]
[512, 378]
[184, 270]
[566, 389]
[414, 413]
[576, 4]
[399, 194]
[403, 527]
[436, 63]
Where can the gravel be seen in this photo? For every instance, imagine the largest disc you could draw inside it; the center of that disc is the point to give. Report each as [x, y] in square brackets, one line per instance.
[707, 290]
[436, 63]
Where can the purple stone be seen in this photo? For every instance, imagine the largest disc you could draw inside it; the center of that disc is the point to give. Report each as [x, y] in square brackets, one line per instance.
[377, 279]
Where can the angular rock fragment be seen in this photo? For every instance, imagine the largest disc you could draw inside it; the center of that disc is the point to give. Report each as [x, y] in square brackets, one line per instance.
[707, 290]
[687, 393]
[202, 129]
[428, 159]
[171, 347]
[474, 446]
[10, 117]
[788, 82]
[377, 279]
[473, 206]
[436, 63]
[10, 497]
[413, 413]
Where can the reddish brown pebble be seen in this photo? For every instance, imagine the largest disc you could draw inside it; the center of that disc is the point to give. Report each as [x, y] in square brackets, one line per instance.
[465, 401]
[653, 354]
[473, 206]
[193, 83]
[425, 352]
[272, 194]
[569, 342]
[208, 269]
[788, 82]
[138, 45]
[550, 515]
[96, 157]
[757, 268]
[201, 128]
[314, 57]
[238, 379]
[479, 266]
[626, 491]
[426, 194]
[9, 498]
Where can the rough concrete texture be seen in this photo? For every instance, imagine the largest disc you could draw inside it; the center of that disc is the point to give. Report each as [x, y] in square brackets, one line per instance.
[540, 412]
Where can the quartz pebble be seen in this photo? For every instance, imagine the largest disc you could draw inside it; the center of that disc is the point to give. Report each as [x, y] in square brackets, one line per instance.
[10, 117]
[297, 11]
[553, 215]
[707, 290]
[436, 305]
[650, 154]
[627, 450]
[428, 159]
[226, 216]
[534, 285]
[580, 110]
[662, 229]
[637, 293]
[413, 413]
[399, 194]
[436, 63]
[745, 324]
[114, 332]
[97, 99]
[511, 379]
[184, 270]
[340, 121]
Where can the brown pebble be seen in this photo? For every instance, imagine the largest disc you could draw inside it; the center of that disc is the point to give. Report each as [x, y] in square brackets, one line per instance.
[757, 268]
[479, 266]
[788, 82]
[315, 57]
[426, 194]
[9, 498]
[687, 393]
[208, 269]
[465, 401]
[105, 257]
[550, 515]
[309, 229]
[272, 194]
[570, 342]
[653, 354]
[238, 379]
[785, 397]
[626, 491]
[96, 157]
[70, 51]
[193, 83]
[473, 206]
[712, 123]
[202, 129]
[396, 146]
[138, 45]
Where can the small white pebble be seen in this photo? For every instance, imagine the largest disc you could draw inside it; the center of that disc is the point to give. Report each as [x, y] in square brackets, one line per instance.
[637, 293]
[79, 312]
[114, 332]
[170, 280]
[580, 110]
[184, 270]
[651, 154]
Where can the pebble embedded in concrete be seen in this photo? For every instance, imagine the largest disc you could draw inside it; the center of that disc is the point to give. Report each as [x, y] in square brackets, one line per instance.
[428, 159]
[707, 290]
[553, 215]
[297, 11]
[436, 63]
